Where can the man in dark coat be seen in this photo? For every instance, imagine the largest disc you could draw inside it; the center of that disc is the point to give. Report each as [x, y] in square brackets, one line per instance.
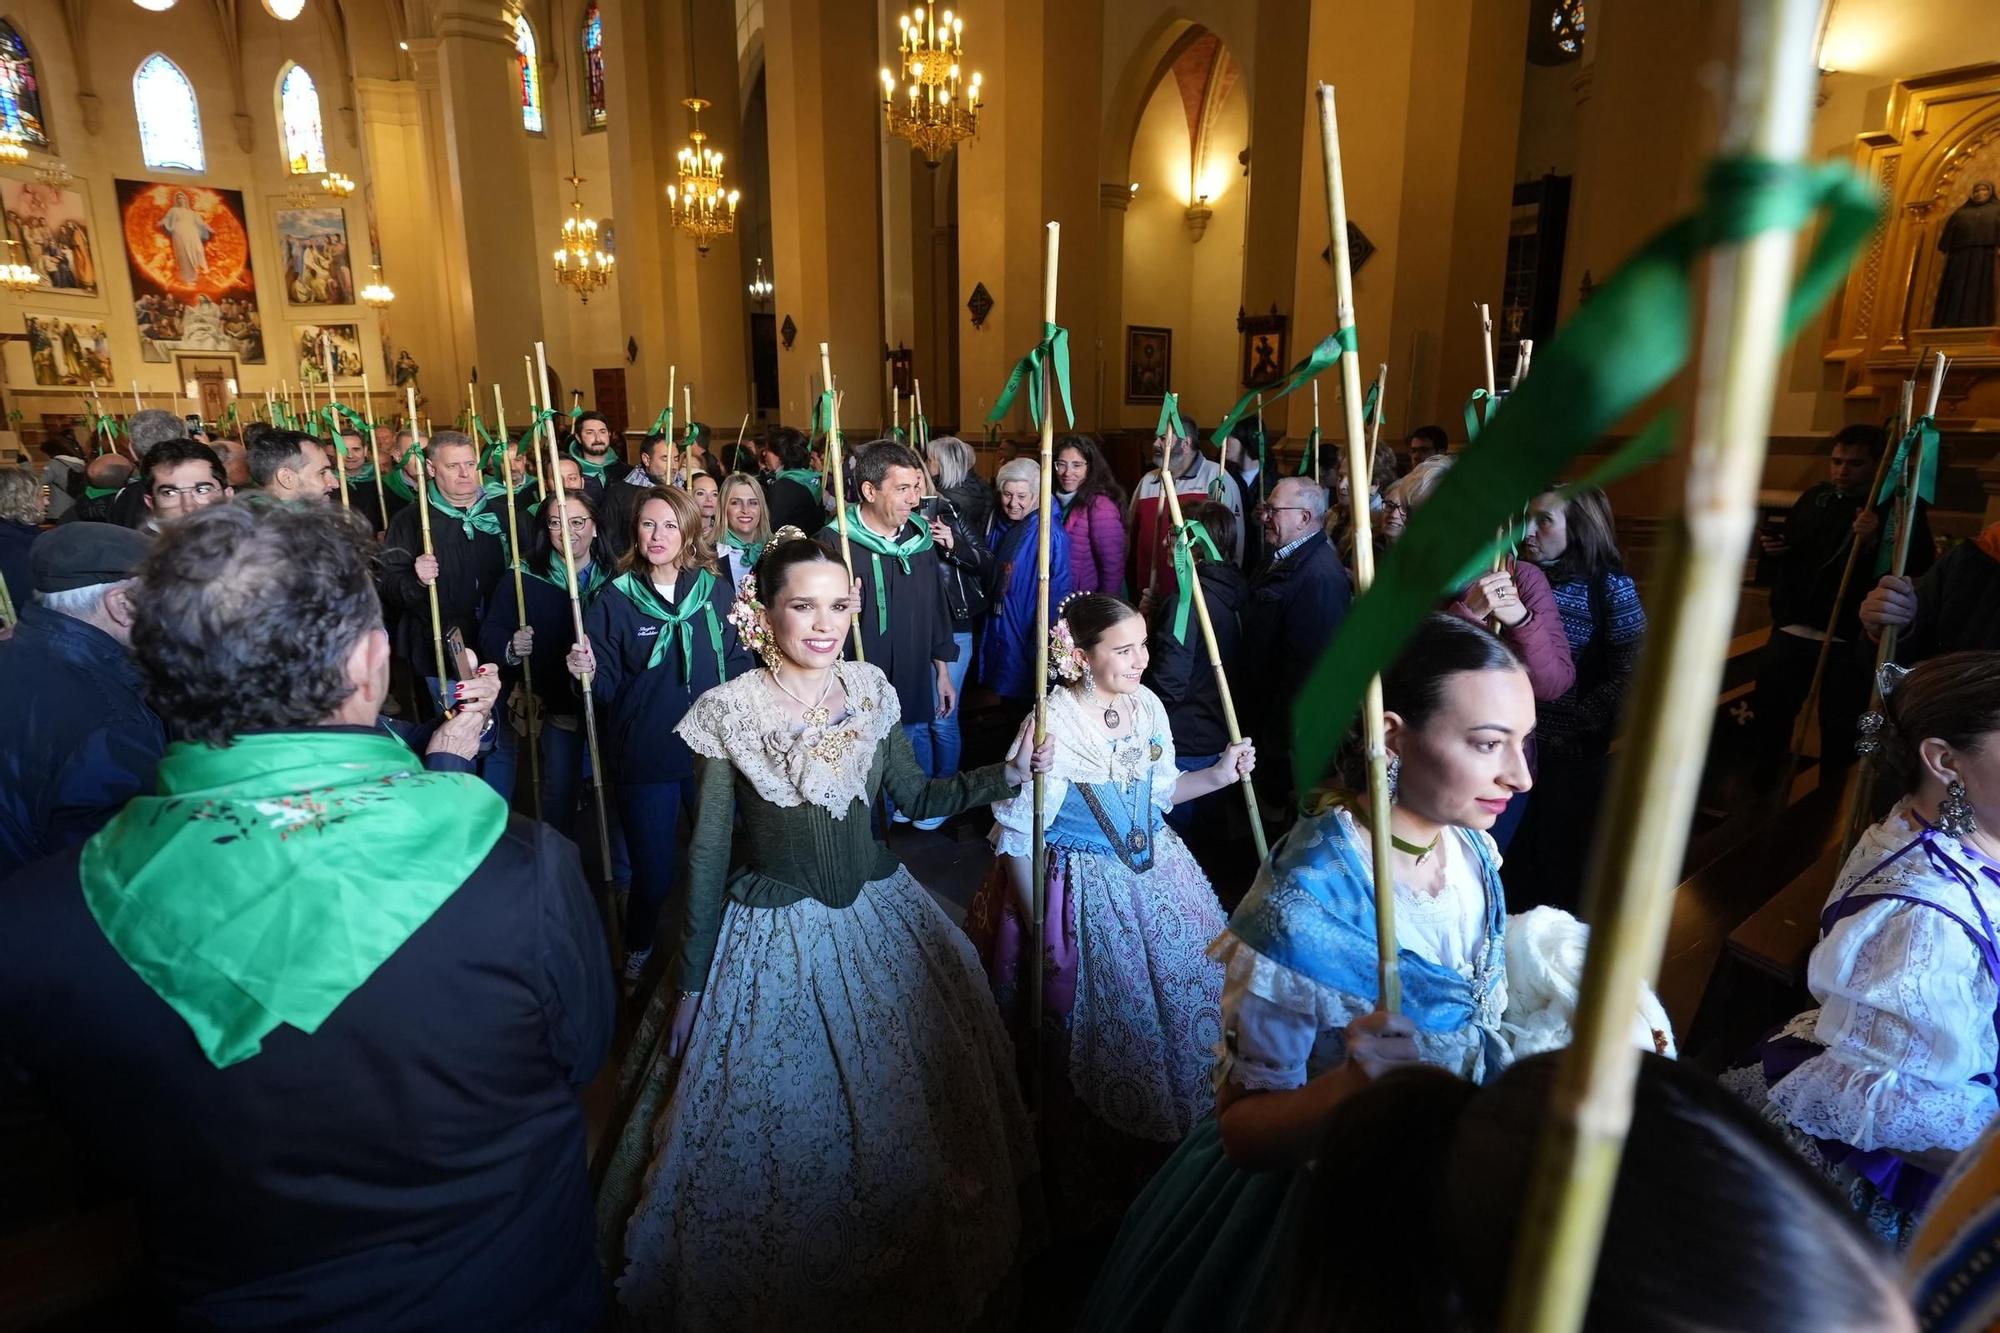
[1296, 603]
[1953, 608]
[358, 1047]
[791, 487]
[595, 452]
[78, 739]
[1178, 670]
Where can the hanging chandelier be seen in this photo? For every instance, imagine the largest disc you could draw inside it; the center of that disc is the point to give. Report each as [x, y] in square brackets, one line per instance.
[760, 286]
[54, 174]
[936, 111]
[15, 276]
[377, 293]
[580, 265]
[338, 184]
[698, 204]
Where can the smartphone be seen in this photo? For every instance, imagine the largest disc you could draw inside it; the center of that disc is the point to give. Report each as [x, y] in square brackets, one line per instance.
[928, 506]
[455, 659]
[194, 424]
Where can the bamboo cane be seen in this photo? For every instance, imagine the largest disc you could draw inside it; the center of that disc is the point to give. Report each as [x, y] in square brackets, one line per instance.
[917, 412]
[1375, 431]
[1051, 250]
[339, 453]
[1257, 835]
[687, 401]
[374, 450]
[1643, 836]
[1317, 478]
[1263, 482]
[534, 406]
[1492, 388]
[521, 602]
[895, 405]
[606, 906]
[1372, 730]
[424, 484]
[839, 485]
[136, 404]
[741, 430]
[673, 447]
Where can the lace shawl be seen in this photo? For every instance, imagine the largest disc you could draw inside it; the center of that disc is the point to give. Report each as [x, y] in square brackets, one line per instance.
[1085, 754]
[824, 766]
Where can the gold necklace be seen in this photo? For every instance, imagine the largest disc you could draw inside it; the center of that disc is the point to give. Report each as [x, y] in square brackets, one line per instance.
[816, 714]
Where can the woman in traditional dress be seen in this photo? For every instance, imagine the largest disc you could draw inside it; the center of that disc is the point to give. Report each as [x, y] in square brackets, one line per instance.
[1893, 1074]
[1301, 1030]
[746, 526]
[1132, 1000]
[844, 1143]
[654, 640]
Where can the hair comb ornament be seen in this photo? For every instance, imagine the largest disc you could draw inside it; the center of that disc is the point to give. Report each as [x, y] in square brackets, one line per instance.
[789, 533]
[1065, 658]
[1888, 677]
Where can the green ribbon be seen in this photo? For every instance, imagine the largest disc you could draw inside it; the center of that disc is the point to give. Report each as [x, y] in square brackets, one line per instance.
[575, 411]
[1169, 426]
[1479, 412]
[1186, 537]
[805, 477]
[752, 551]
[330, 417]
[900, 551]
[474, 518]
[920, 427]
[397, 481]
[641, 593]
[100, 492]
[1320, 360]
[318, 854]
[1309, 455]
[663, 424]
[822, 412]
[1052, 353]
[1922, 436]
[1633, 336]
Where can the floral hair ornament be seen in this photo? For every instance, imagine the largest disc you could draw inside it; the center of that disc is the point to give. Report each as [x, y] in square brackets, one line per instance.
[1066, 660]
[747, 614]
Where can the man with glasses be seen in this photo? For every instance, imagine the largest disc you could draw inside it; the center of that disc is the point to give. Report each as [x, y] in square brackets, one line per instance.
[1296, 603]
[182, 476]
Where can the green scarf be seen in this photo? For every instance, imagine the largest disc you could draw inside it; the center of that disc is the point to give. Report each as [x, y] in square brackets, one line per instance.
[591, 471]
[99, 492]
[590, 577]
[639, 591]
[877, 547]
[474, 518]
[805, 477]
[362, 475]
[268, 880]
[752, 551]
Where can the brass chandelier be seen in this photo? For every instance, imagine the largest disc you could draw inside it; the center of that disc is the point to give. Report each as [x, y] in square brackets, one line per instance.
[936, 111]
[581, 265]
[699, 204]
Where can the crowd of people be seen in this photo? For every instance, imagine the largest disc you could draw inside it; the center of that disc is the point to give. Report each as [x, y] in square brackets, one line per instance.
[331, 793]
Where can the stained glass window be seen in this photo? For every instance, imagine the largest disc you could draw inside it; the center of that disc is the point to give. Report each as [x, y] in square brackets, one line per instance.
[531, 74]
[594, 114]
[20, 90]
[298, 112]
[1566, 25]
[169, 116]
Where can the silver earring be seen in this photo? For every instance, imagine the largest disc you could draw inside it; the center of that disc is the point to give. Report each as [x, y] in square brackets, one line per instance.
[1955, 812]
[1395, 775]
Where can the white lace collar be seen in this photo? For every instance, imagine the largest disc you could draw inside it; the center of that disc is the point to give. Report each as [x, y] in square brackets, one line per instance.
[826, 766]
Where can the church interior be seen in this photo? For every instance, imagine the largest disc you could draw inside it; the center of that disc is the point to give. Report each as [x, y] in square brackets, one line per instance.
[237, 209]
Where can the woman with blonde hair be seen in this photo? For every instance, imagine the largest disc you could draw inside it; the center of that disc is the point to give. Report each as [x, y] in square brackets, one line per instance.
[655, 639]
[20, 524]
[746, 525]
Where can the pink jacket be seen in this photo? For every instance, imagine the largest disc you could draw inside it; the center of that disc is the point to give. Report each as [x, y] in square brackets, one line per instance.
[1539, 640]
[1097, 547]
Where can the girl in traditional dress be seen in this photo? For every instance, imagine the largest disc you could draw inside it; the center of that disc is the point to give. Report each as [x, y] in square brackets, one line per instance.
[746, 525]
[656, 637]
[844, 1143]
[1893, 1075]
[1133, 999]
[1301, 1030]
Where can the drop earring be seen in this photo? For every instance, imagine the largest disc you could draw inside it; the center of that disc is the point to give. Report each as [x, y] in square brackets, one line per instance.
[1395, 776]
[1955, 812]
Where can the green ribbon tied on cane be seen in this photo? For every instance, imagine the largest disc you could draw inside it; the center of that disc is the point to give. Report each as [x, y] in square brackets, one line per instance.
[474, 518]
[663, 424]
[899, 551]
[677, 618]
[1186, 537]
[1320, 360]
[1051, 354]
[1309, 455]
[1922, 437]
[575, 412]
[1479, 412]
[1170, 426]
[822, 418]
[1628, 342]
[331, 416]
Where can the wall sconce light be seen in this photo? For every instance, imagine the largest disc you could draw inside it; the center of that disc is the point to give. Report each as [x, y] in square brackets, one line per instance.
[1198, 215]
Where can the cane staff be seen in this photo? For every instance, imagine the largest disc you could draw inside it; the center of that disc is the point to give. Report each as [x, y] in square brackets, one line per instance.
[1168, 489]
[333, 423]
[839, 481]
[534, 406]
[1492, 392]
[687, 432]
[1039, 871]
[424, 483]
[920, 425]
[1372, 729]
[528, 699]
[1643, 835]
[605, 902]
[374, 450]
[1313, 443]
[673, 450]
[1374, 432]
[741, 431]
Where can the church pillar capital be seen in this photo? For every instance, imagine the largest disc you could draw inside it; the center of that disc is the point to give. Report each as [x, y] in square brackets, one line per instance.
[92, 107]
[423, 53]
[1115, 194]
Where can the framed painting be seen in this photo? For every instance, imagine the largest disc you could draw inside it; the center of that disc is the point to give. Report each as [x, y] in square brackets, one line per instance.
[1264, 359]
[193, 288]
[1149, 363]
[319, 270]
[67, 351]
[51, 232]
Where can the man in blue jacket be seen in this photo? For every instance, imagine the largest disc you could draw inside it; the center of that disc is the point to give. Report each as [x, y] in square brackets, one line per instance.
[76, 739]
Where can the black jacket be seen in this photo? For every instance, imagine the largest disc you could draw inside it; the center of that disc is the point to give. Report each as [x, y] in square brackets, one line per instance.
[920, 632]
[974, 499]
[793, 505]
[1180, 674]
[416, 1163]
[1818, 535]
[15, 571]
[78, 739]
[469, 571]
[1958, 606]
[965, 568]
[638, 706]
[549, 617]
[1294, 607]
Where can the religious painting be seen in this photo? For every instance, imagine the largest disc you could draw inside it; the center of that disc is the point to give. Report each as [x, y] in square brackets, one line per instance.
[50, 229]
[1970, 245]
[193, 289]
[1149, 363]
[318, 267]
[309, 343]
[1263, 349]
[65, 351]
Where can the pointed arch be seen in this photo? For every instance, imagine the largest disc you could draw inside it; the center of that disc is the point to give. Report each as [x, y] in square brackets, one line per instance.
[299, 122]
[20, 89]
[527, 62]
[169, 116]
[595, 114]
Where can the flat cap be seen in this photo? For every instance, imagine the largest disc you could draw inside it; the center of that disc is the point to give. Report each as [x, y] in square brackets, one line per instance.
[82, 555]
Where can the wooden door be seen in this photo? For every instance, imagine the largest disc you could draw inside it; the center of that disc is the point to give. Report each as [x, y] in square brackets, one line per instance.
[608, 389]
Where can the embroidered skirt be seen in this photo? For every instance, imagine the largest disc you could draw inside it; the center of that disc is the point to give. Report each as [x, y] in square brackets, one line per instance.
[845, 1146]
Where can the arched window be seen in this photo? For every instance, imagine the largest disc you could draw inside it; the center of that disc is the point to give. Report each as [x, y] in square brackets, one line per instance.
[169, 116]
[298, 116]
[1566, 26]
[531, 74]
[20, 90]
[594, 114]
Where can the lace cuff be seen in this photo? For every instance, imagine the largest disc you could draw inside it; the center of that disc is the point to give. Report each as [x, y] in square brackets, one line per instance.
[1010, 841]
[1882, 1108]
[1246, 970]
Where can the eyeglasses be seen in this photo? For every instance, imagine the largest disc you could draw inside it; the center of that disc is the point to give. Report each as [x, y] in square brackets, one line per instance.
[575, 524]
[200, 491]
[1261, 510]
[1395, 507]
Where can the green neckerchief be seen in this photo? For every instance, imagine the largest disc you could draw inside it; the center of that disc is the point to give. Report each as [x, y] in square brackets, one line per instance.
[805, 477]
[1186, 537]
[361, 476]
[474, 518]
[398, 483]
[589, 578]
[877, 547]
[752, 551]
[591, 471]
[641, 593]
[99, 492]
[269, 879]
